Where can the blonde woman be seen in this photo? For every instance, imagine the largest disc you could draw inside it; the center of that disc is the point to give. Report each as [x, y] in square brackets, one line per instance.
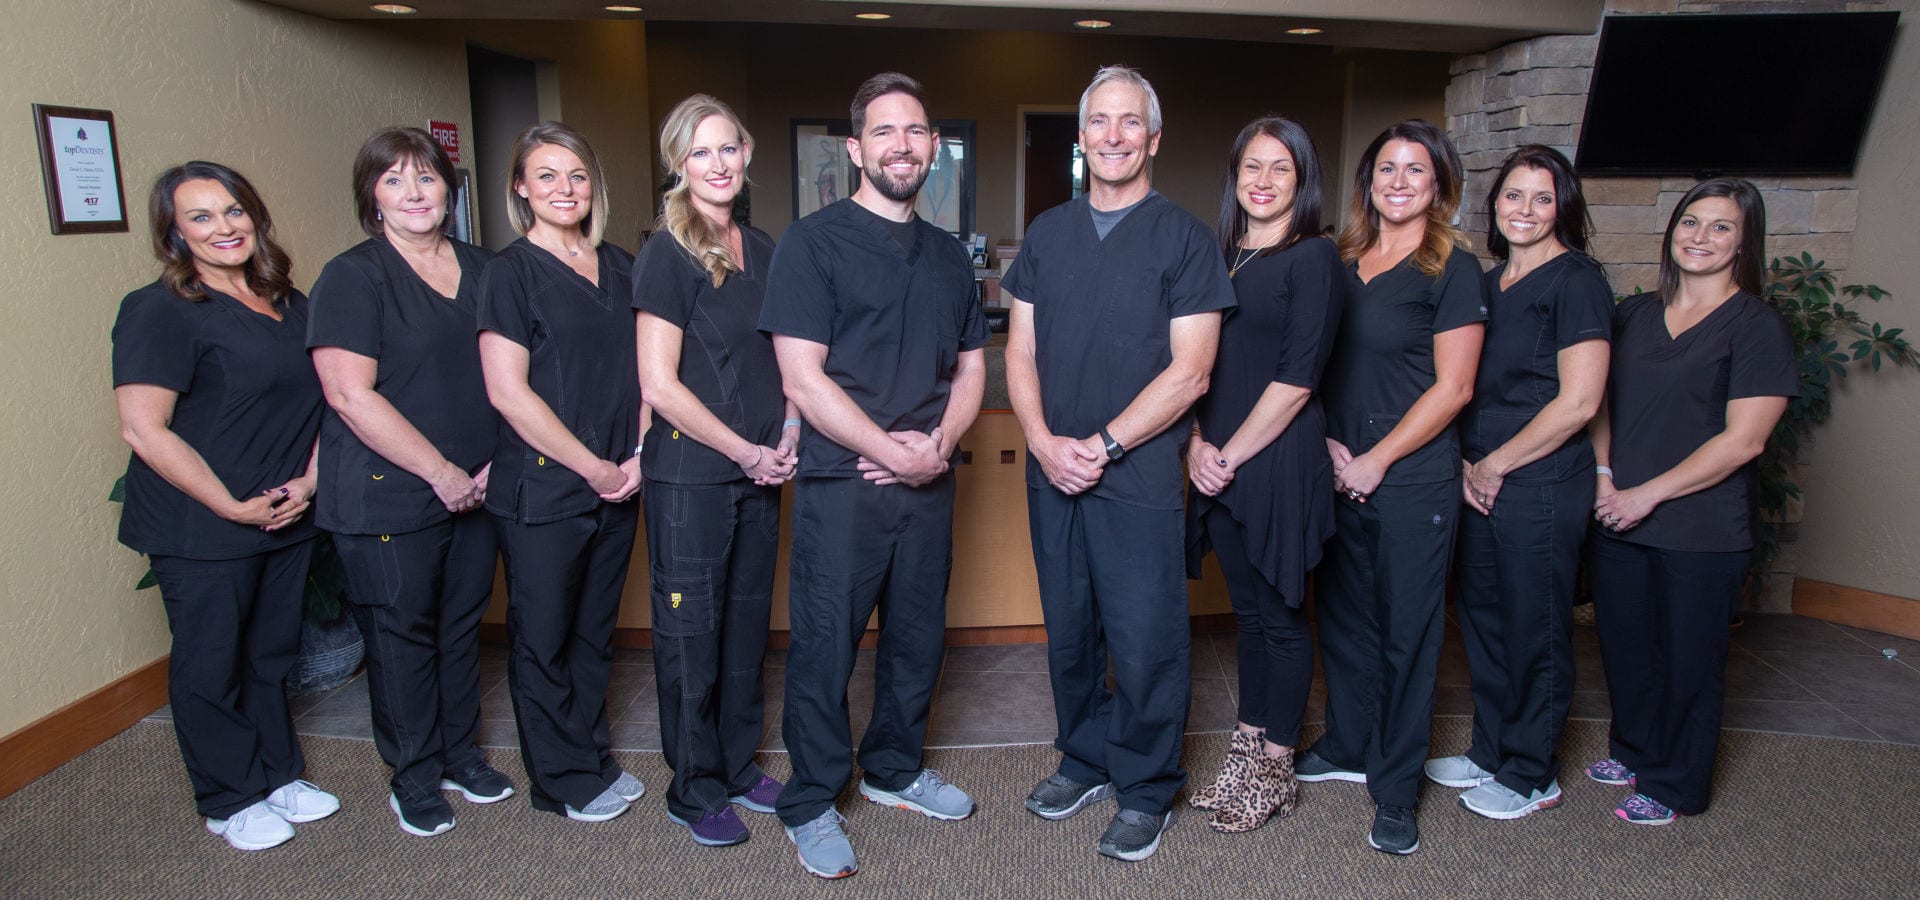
[723, 440]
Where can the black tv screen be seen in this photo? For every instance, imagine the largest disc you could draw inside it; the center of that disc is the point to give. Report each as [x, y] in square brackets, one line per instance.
[1766, 94]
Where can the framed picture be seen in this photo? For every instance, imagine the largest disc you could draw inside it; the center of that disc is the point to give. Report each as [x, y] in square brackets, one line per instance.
[823, 173]
[464, 226]
[80, 165]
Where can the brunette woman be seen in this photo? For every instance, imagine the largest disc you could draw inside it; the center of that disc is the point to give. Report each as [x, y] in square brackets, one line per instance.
[404, 455]
[1701, 373]
[557, 352]
[1402, 368]
[722, 442]
[220, 406]
[1258, 455]
[1542, 373]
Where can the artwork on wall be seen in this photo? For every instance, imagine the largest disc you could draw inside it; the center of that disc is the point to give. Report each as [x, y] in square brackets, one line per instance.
[823, 173]
[80, 165]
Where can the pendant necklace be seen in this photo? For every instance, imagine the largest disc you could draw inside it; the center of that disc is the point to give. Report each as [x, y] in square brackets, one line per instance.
[1246, 255]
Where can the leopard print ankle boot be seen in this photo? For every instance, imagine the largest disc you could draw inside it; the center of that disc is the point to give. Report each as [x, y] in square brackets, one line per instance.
[1234, 772]
[1270, 792]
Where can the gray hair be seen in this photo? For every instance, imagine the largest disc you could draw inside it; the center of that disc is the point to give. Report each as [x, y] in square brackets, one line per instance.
[1130, 76]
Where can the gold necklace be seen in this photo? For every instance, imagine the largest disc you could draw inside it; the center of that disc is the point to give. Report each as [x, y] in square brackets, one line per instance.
[1238, 261]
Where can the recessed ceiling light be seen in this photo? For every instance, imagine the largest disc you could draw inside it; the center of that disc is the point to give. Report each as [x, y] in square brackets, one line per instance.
[872, 17]
[394, 9]
[1303, 31]
[1093, 23]
[623, 9]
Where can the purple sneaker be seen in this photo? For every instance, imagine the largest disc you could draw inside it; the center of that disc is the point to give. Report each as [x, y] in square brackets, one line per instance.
[1641, 809]
[721, 829]
[761, 797]
[1611, 771]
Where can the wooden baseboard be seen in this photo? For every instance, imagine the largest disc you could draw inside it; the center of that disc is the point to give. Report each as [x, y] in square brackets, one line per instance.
[65, 733]
[1885, 613]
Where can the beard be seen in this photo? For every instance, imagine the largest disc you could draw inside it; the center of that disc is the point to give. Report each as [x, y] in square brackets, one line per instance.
[896, 190]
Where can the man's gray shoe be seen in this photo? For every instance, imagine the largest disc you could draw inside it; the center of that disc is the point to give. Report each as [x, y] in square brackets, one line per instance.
[928, 795]
[1134, 835]
[1456, 772]
[823, 846]
[628, 787]
[1059, 797]
[602, 808]
[1314, 767]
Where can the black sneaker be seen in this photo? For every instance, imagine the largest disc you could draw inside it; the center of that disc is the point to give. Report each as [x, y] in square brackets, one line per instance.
[1059, 797]
[1394, 830]
[1311, 766]
[426, 816]
[479, 783]
[1134, 835]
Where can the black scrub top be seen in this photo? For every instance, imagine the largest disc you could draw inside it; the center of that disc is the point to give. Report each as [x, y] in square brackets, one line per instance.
[579, 340]
[249, 404]
[1566, 301]
[725, 360]
[1666, 396]
[1383, 359]
[1102, 309]
[1282, 331]
[369, 301]
[896, 319]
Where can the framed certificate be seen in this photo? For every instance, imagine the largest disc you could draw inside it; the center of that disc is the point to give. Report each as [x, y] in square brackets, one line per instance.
[80, 162]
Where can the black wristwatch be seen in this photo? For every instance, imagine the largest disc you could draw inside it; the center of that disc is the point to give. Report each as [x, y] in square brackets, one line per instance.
[1114, 450]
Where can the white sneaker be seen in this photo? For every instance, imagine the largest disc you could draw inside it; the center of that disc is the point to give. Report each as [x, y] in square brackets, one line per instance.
[254, 828]
[300, 801]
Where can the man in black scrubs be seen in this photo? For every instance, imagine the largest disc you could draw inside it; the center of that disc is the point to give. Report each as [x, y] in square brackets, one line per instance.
[1116, 315]
[878, 330]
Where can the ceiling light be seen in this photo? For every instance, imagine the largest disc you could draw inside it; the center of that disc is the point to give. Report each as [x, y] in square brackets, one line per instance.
[1093, 23]
[623, 9]
[394, 9]
[872, 17]
[1303, 31]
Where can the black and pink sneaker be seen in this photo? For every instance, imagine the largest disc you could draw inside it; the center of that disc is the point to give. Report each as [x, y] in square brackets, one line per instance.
[1611, 771]
[761, 797]
[1641, 809]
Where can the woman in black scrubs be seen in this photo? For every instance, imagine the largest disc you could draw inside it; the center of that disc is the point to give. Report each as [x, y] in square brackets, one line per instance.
[723, 440]
[1542, 373]
[557, 351]
[1701, 374]
[1402, 368]
[1258, 456]
[403, 470]
[220, 406]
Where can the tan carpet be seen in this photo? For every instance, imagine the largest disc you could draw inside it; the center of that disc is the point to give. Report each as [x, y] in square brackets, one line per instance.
[1795, 816]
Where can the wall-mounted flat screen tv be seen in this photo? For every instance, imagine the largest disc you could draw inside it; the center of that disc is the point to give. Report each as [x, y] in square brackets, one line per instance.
[1765, 94]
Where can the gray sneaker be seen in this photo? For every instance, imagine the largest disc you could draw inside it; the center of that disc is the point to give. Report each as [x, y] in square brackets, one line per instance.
[1059, 797]
[928, 795]
[1311, 766]
[628, 787]
[1497, 801]
[1134, 835]
[823, 846]
[602, 808]
[1456, 772]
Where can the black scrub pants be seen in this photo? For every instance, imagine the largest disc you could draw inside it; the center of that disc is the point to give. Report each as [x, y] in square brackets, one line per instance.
[1517, 571]
[1113, 586]
[563, 589]
[1662, 618]
[418, 598]
[1275, 643]
[856, 546]
[712, 550]
[236, 634]
[1380, 598]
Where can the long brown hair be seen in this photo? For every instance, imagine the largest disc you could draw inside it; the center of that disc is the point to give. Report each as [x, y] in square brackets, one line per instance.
[269, 271]
[695, 233]
[1363, 221]
[1748, 272]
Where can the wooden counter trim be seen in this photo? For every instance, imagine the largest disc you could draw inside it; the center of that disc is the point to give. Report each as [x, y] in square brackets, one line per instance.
[56, 738]
[1885, 613]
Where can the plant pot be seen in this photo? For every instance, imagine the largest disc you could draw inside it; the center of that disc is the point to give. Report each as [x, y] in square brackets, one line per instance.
[330, 653]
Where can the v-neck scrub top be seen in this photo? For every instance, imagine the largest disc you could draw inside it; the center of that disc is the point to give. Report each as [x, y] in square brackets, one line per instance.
[581, 363]
[370, 301]
[1383, 359]
[1102, 313]
[1282, 332]
[1668, 395]
[725, 360]
[896, 319]
[249, 404]
[1566, 301]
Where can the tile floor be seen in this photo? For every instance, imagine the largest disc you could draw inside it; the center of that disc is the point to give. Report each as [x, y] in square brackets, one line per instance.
[1785, 674]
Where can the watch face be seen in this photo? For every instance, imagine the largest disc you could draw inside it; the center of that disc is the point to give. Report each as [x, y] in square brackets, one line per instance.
[1114, 450]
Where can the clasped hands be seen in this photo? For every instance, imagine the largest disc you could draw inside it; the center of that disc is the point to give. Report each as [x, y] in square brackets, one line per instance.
[919, 460]
[1072, 465]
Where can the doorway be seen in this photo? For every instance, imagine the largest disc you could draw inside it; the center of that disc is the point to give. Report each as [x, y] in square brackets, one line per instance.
[1054, 172]
[505, 94]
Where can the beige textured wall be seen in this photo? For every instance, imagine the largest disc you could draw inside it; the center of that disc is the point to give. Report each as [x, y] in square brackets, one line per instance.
[283, 97]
